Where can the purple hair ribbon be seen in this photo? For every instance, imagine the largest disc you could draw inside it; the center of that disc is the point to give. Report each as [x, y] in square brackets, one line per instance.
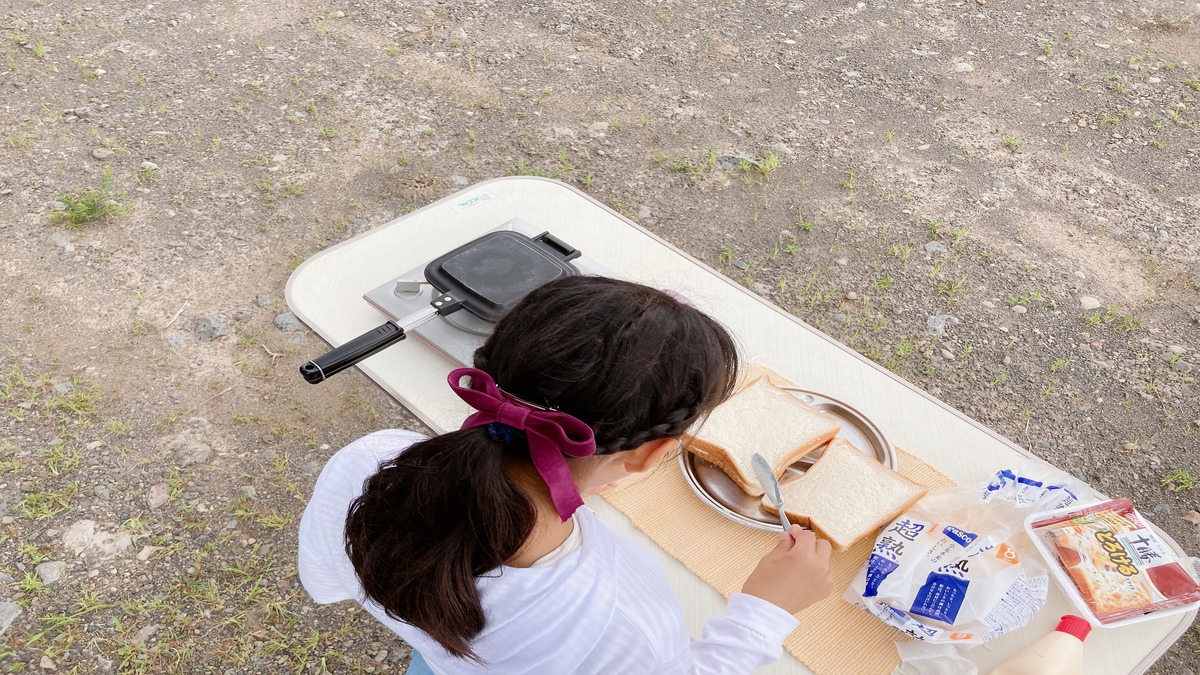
[551, 434]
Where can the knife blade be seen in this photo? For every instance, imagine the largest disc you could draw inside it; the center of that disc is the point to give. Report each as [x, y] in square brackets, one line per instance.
[766, 478]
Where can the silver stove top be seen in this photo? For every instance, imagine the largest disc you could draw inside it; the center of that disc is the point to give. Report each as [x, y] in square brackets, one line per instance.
[460, 334]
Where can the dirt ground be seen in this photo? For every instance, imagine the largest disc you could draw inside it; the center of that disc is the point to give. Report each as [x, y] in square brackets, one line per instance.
[1029, 170]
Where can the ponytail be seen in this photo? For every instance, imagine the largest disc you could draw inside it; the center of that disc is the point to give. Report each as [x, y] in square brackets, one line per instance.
[462, 516]
[631, 363]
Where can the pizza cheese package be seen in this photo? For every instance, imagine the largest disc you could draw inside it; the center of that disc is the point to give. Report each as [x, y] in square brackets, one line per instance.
[1120, 567]
[957, 567]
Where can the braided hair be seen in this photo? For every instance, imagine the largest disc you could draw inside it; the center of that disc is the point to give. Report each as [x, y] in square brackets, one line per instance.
[632, 362]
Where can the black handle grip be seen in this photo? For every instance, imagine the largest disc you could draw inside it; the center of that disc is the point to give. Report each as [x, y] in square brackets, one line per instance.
[562, 248]
[336, 360]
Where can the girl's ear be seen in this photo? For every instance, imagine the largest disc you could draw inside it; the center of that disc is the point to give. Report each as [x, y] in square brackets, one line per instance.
[646, 455]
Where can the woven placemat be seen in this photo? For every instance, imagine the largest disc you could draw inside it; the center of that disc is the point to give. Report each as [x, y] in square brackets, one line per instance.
[834, 637]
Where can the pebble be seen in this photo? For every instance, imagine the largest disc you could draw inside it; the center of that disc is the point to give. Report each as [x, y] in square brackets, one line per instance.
[102, 491]
[287, 322]
[837, 317]
[9, 611]
[139, 639]
[937, 323]
[842, 261]
[1040, 192]
[1177, 349]
[210, 328]
[56, 206]
[262, 300]
[82, 537]
[1087, 302]
[156, 496]
[176, 340]
[644, 213]
[458, 34]
[1007, 360]
[935, 248]
[47, 663]
[741, 265]
[947, 354]
[1182, 366]
[102, 153]
[1143, 236]
[149, 166]
[460, 181]
[760, 288]
[851, 295]
[248, 491]
[193, 453]
[963, 67]
[1019, 309]
[62, 240]
[51, 571]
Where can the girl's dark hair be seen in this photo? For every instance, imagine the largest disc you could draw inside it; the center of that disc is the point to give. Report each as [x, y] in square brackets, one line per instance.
[632, 362]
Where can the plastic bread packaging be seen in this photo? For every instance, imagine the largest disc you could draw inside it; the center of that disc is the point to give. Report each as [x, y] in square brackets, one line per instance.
[958, 567]
[1112, 564]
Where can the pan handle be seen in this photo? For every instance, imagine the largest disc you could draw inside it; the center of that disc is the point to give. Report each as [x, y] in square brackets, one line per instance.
[340, 358]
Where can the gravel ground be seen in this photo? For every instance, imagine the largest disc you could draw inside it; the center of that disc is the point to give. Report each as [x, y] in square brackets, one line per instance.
[998, 201]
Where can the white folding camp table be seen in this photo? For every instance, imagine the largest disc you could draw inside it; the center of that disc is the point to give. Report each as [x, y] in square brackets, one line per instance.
[326, 293]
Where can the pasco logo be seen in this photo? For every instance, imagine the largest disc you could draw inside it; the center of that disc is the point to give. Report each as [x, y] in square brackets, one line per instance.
[473, 200]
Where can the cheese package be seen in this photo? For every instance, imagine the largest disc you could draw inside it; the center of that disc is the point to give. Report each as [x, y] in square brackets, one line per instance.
[1119, 567]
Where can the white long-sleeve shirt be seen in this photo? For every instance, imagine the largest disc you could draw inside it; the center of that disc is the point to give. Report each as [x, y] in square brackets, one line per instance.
[605, 607]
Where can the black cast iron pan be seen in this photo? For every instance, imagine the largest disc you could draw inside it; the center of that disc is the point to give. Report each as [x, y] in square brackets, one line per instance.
[485, 276]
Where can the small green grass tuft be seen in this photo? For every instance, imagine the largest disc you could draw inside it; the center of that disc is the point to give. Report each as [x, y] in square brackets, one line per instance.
[87, 205]
[1179, 481]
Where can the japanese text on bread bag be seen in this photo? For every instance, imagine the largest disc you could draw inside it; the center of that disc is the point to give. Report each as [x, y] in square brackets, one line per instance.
[957, 567]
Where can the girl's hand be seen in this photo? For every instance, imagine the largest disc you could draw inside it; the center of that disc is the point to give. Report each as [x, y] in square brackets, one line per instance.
[795, 574]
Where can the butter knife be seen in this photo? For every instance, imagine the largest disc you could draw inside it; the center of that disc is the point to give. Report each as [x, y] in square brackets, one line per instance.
[766, 478]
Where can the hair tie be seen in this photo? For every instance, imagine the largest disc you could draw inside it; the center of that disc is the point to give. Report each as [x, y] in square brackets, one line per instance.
[502, 432]
[551, 434]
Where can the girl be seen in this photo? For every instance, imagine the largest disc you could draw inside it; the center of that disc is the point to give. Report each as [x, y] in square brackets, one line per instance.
[471, 546]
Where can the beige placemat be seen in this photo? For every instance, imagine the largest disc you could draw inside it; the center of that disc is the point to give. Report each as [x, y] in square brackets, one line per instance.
[834, 637]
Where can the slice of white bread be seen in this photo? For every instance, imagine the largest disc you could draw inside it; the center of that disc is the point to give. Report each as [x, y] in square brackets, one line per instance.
[765, 419]
[847, 495]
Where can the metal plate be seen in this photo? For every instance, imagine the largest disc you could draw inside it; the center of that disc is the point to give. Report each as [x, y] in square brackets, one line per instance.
[719, 491]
